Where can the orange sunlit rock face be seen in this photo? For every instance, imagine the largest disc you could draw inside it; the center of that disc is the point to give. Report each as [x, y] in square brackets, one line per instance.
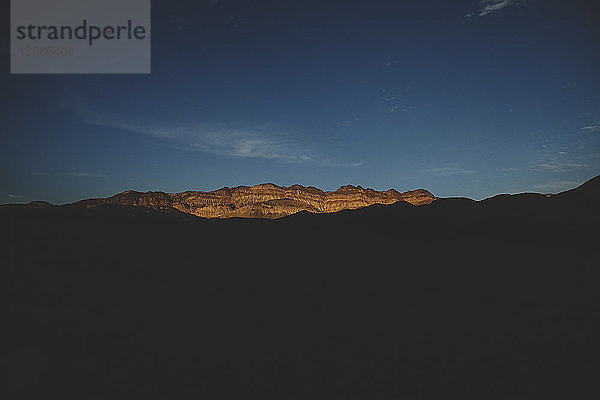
[267, 200]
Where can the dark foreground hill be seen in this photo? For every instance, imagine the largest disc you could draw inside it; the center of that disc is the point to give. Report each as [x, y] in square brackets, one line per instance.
[457, 299]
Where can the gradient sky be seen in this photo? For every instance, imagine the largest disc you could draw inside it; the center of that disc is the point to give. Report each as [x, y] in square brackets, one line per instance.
[463, 98]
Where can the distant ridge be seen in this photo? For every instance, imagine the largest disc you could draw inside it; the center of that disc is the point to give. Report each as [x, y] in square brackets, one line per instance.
[265, 200]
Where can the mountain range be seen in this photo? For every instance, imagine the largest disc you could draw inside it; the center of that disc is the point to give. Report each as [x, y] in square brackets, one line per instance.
[263, 201]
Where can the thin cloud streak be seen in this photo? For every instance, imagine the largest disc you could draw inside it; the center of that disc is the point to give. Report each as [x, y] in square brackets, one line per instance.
[555, 186]
[448, 171]
[265, 141]
[488, 7]
[73, 174]
[591, 127]
[557, 166]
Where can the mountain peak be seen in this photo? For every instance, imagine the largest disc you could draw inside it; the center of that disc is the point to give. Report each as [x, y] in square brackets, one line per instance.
[349, 188]
[266, 186]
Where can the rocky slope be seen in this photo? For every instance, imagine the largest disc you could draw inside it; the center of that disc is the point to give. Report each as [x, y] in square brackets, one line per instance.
[265, 200]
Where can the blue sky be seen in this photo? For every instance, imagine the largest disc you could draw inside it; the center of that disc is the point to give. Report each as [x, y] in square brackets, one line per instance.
[463, 98]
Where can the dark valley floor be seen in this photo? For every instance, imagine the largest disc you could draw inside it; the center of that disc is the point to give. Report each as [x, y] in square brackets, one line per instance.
[456, 299]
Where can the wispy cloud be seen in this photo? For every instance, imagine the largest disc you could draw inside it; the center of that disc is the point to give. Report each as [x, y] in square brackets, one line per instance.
[332, 163]
[76, 174]
[266, 141]
[226, 140]
[396, 108]
[555, 186]
[593, 127]
[86, 175]
[448, 171]
[557, 166]
[488, 7]
[396, 100]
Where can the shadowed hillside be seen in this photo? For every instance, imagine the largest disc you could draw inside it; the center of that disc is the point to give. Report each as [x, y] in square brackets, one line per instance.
[496, 299]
